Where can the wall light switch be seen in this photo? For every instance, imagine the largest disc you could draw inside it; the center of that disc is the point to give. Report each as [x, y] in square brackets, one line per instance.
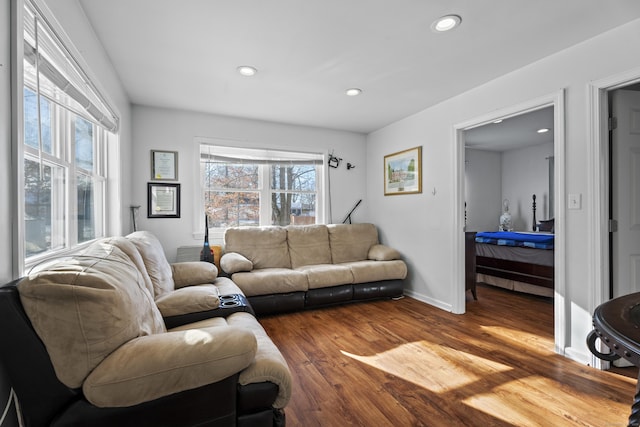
[575, 201]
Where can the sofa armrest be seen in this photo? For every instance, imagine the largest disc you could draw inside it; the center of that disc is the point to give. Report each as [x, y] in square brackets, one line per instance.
[233, 262]
[153, 366]
[191, 299]
[382, 253]
[193, 273]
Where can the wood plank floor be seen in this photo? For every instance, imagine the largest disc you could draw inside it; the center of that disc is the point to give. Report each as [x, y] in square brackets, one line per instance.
[405, 363]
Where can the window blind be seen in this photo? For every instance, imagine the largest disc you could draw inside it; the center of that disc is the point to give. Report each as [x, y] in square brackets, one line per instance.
[53, 72]
[219, 154]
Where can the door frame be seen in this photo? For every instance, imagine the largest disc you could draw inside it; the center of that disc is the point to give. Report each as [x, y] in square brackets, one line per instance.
[557, 101]
[598, 187]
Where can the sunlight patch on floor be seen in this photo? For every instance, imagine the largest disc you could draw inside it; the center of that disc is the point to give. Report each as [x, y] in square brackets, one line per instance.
[432, 366]
[516, 338]
[522, 401]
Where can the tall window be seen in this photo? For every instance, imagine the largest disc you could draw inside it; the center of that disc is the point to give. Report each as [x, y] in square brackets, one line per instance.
[66, 127]
[251, 187]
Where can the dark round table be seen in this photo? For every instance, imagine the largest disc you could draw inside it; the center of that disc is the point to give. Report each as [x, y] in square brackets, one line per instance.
[617, 324]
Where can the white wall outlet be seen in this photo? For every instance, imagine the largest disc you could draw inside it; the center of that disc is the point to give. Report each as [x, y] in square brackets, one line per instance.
[575, 201]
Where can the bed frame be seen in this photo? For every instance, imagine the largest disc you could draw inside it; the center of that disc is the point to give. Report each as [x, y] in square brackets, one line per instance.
[533, 274]
[522, 272]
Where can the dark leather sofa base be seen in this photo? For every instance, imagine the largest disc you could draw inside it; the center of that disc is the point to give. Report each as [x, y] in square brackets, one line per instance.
[313, 298]
[209, 405]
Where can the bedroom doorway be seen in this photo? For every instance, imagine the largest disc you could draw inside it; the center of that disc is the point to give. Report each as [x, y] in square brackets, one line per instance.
[509, 191]
[549, 206]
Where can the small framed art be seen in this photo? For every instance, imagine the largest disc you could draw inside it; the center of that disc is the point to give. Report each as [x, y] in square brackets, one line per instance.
[164, 165]
[403, 172]
[163, 200]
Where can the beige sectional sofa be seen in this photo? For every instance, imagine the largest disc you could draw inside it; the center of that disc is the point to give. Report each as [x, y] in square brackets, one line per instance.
[96, 349]
[295, 267]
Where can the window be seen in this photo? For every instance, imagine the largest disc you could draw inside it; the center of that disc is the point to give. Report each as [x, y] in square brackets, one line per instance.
[66, 128]
[249, 187]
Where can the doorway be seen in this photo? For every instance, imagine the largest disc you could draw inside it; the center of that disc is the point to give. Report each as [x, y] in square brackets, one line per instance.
[598, 196]
[624, 190]
[556, 101]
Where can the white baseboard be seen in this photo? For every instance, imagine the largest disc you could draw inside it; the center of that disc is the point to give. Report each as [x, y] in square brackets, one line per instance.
[427, 300]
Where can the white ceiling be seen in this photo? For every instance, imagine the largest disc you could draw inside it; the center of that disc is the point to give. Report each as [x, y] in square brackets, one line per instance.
[513, 132]
[184, 54]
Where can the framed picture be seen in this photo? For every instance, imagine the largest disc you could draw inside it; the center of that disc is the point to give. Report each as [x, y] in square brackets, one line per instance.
[403, 172]
[164, 165]
[163, 200]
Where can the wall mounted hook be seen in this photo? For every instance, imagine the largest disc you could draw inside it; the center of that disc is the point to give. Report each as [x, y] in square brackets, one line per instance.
[350, 166]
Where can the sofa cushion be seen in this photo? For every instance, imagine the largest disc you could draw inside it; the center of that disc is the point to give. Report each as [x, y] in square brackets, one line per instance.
[325, 275]
[265, 247]
[191, 299]
[151, 367]
[268, 364]
[226, 286]
[126, 246]
[351, 242]
[271, 281]
[373, 271]
[155, 261]
[233, 262]
[86, 306]
[193, 273]
[382, 253]
[308, 245]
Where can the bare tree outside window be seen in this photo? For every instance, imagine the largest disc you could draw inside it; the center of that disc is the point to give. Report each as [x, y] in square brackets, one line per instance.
[235, 193]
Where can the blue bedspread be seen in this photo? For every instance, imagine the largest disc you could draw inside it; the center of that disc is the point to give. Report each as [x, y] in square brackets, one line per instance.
[508, 238]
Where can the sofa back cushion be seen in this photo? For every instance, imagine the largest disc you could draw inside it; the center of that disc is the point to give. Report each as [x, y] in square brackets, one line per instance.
[308, 245]
[155, 261]
[265, 247]
[351, 242]
[126, 246]
[85, 306]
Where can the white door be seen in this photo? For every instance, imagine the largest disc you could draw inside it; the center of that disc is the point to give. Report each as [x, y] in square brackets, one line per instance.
[625, 191]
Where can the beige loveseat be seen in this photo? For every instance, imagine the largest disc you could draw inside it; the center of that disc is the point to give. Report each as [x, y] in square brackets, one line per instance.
[101, 314]
[295, 267]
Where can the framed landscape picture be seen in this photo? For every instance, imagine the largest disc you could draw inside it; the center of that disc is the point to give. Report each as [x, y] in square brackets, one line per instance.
[403, 172]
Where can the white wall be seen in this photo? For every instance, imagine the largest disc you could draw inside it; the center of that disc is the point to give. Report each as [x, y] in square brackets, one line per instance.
[483, 189]
[525, 172]
[75, 25]
[165, 129]
[422, 226]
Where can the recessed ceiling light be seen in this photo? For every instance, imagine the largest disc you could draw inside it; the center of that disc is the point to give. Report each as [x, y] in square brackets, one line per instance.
[247, 70]
[354, 91]
[543, 130]
[446, 23]
[497, 121]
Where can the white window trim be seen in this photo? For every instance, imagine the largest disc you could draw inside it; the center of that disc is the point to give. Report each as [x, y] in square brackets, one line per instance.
[106, 184]
[216, 236]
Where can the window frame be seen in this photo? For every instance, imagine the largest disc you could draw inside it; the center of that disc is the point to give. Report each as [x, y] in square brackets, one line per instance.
[264, 190]
[62, 156]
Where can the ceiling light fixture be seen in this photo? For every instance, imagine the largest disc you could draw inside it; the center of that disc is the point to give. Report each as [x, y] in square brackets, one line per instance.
[497, 121]
[354, 91]
[446, 23]
[247, 70]
[543, 130]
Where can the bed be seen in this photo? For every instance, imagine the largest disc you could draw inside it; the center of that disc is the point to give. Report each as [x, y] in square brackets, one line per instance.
[519, 261]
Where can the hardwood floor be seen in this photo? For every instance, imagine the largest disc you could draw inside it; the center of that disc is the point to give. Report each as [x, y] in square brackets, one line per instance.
[405, 363]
